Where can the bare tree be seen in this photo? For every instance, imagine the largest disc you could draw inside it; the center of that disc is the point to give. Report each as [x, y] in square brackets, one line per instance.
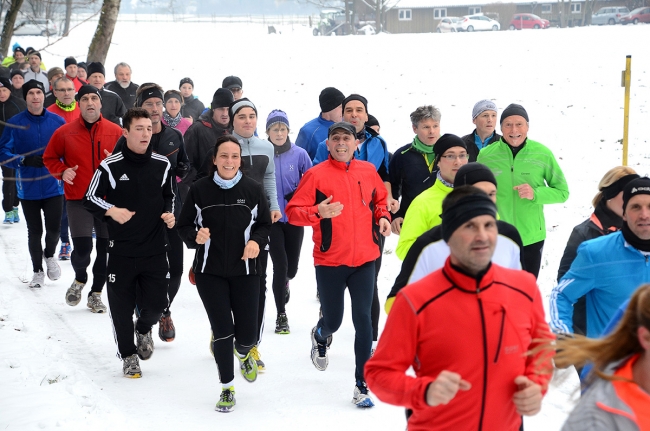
[8, 28]
[98, 49]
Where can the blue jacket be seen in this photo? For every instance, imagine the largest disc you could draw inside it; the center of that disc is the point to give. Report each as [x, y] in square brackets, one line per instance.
[373, 150]
[289, 169]
[607, 270]
[312, 133]
[33, 183]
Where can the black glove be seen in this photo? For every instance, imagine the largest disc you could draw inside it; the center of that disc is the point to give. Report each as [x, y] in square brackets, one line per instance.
[34, 161]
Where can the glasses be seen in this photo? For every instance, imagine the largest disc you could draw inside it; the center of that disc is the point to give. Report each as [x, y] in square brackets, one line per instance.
[65, 90]
[452, 157]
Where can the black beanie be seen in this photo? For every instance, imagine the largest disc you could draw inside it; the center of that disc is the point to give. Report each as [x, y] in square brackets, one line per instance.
[15, 72]
[330, 98]
[239, 104]
[446, 142]
[640, 186]
[32, 83]
[358, 97]
[5, 82]
[68, 61]
[513, 109]
[222, 98]
[83, 65]
[464, 210]
[87, 89]
[186, 81]
[36, 53]
[19, 49]
[473, 173]
[372, 121]
[96, 67]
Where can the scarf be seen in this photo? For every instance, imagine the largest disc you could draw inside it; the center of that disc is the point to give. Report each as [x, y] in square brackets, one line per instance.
[66, 108]
[172, 122]
[282, 148]
[442, 180]
[227, 184]
[635, 241]
[609, 221]
[424, 149]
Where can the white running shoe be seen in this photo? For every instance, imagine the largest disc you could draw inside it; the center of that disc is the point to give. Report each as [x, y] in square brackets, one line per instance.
[95, 303]
[38, 280]
[53, 268]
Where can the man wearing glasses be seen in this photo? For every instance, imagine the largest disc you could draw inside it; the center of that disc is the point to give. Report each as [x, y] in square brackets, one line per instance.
[72, 155]
[65, 106]
[424, 212]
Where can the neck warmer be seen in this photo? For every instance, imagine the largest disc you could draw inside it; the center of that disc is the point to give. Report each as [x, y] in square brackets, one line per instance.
[136, 158]
[282, 148]
[66, 108]
[442, 180]
[425, 149]
[172, 121]
[226, 184]
[516, 150]
[635, 241]
[361, 136]
[608, 219]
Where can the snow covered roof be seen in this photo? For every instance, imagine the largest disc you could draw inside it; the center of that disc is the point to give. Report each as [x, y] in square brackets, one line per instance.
[416, 4]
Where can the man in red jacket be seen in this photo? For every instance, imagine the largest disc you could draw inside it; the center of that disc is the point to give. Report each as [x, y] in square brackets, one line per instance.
[466, 330]
[73, 154]
[350, 198]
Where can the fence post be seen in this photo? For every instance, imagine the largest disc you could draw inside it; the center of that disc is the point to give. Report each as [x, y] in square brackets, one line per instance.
[625, 82]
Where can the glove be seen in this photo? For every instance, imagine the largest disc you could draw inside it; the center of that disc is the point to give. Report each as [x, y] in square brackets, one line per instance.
[34, 161]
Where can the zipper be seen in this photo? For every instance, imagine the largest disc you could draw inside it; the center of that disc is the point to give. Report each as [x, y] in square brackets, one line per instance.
[361, 191]
[485, 355]
[503, 321]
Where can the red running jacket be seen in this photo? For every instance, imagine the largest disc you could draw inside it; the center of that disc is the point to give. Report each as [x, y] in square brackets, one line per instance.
[352, 238]
[480, 329]
[72, 144]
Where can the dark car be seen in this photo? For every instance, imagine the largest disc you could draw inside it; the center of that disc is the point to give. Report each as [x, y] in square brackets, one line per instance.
[638, 15]
[528, 20]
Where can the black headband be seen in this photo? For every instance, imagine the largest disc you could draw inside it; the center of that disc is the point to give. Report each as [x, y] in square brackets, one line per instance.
[617, 186]
[464, 210]
[150, 93]
[172, 95]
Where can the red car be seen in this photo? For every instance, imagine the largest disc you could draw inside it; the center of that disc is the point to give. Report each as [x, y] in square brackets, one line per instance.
[641, 14]
[528, 20]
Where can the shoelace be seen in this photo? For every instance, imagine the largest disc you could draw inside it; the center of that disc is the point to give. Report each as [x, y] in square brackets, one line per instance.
[362, 387]
[166, 323]
[322, 349]
[227, 396]
[248, 367]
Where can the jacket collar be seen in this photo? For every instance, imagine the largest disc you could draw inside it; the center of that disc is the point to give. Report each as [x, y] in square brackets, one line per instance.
[341, 165]
[465, 282]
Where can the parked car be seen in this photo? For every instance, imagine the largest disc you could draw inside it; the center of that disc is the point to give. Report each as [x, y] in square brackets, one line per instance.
[528, 20]
[448, 25]
[477, 23]
[35, 27]
[638, 15]
[609, 15]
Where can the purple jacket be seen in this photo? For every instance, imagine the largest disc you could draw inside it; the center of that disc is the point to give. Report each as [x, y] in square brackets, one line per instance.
[289, 169]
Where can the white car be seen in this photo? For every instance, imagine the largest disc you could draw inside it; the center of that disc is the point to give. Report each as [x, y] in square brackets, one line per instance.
[478, 23]
[448, 25]
[35, 27]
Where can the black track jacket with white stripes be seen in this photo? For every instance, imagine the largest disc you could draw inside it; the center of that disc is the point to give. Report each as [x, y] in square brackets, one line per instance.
[233, 216]
[138, 182]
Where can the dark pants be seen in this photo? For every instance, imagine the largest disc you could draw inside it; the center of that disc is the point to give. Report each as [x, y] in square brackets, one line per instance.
[65, 237]
[226, 299]
[9, 190]
[128, 277]
[175, 258]
[82, 223]
[263, 259]
[285, 244]
[51, 209]
[331, 282]
[533, 257]
[375, 310]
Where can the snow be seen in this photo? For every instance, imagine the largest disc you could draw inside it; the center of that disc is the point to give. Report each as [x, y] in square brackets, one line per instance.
[57, 363]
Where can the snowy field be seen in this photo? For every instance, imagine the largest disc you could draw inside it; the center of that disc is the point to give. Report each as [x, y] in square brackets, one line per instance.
[58, 368]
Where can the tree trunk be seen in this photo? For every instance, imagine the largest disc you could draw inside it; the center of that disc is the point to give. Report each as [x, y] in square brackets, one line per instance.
[68, 14]
[98, 49]
[378, 9]
[10, 22]
[346, 28]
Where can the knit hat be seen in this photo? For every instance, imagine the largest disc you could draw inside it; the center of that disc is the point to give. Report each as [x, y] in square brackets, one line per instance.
[87, 89]
[464, 210]
[15, 72]
[238, 105]
[68, 61]
[473, 173]
[640, 186]
[482, 106]
[83, 65]
[277, 116]
[96, 67]
[343, 125]
[513, 109]
[53, 72]
[19, 49]
[231, 82]
[36, 53]
[5, 82]
[446, 142]
[186, 81]
[31, 84]
[358, 97]
[372, 121]
[222, 98]
[330, 98]
[29, 50]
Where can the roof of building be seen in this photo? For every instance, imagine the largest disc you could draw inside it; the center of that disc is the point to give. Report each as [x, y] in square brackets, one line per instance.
[420, 4]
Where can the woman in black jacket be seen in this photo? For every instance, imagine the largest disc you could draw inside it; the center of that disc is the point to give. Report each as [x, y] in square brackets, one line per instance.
[226, 218]
[606, 218]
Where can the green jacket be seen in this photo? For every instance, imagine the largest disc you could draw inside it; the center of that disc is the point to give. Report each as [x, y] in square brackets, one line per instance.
[534, 165]
[422, 215]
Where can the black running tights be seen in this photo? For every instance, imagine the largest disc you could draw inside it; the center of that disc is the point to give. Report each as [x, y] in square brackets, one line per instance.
[51, 209]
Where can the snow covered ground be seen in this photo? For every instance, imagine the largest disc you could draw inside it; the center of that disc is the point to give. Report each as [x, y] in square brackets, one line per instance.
[57, 363]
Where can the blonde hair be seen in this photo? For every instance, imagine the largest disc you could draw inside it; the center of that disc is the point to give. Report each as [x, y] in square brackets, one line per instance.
[610, 178]
[622, 342]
